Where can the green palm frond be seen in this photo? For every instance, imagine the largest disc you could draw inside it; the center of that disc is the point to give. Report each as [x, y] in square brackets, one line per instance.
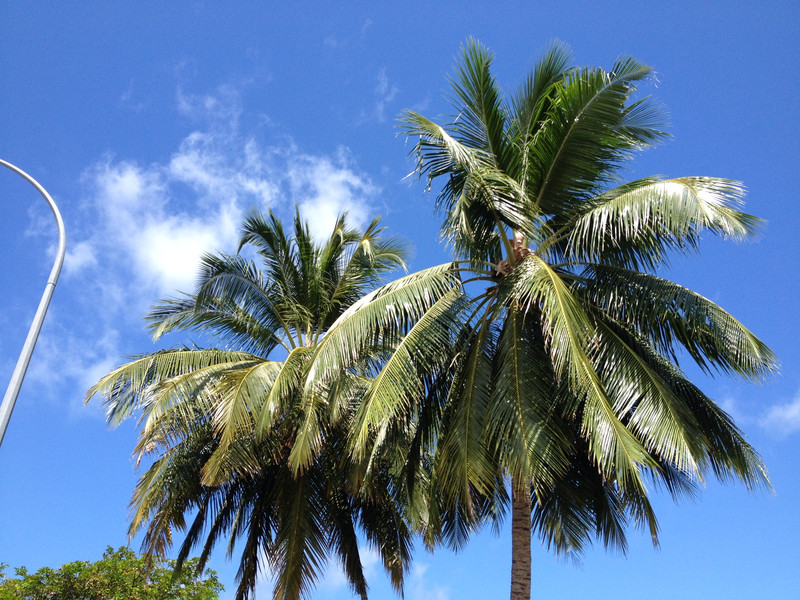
[359, 267]
[672, 316]
[647, 404]
[300, 540]
[724, 450]
[385, 312]
[232, 304]
[534, 99]
[481, 119]
[570, 337]
[286, 386]
[169, 487]
[398, 384]
[583, 505]
[522, 425]
[638, 224]
[567, 162]
[438, 152]
[125, 389]
[463, 464]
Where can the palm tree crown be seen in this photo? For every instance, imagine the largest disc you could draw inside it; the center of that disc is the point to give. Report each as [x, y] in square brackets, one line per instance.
[222, 425]
[563, 384]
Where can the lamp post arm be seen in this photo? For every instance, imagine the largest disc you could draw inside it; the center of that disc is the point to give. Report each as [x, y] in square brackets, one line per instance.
[14, 385]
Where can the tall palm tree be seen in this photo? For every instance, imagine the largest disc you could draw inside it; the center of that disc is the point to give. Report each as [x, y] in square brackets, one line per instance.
[237, 445]
[550, 378]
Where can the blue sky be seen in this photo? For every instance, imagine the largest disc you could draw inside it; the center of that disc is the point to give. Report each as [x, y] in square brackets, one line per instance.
[154, 126]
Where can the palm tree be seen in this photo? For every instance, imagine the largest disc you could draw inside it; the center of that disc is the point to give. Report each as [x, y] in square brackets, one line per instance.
[561, 391]
[237, 445]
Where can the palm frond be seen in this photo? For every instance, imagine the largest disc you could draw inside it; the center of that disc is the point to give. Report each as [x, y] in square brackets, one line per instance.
[301, 536]
[534, 99]
[570, 338]
[522, 427]
[463, 464]
[589, 134]
[672, 316]
[638, 224]
[481, 119]
[399, 385]
[124, 390]
[385, 312]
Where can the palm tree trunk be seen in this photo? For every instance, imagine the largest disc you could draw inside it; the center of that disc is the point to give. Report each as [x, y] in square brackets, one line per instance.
[520, 545]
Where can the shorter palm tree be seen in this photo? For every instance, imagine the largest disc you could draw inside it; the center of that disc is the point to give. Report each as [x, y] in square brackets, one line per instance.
[244, 445]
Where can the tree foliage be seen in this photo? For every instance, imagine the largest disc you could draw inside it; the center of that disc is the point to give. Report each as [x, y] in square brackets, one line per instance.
[249, 439]
[564, 389]
[119, 575]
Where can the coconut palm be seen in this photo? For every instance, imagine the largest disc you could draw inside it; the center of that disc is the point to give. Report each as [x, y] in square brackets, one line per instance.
[562, 393]
[221, 424]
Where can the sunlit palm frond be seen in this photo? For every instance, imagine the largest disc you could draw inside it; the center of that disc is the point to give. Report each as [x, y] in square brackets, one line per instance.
[385, 312]
[481, 118]
[438, 152]
[570, 337]
[124, 390]
[640, 223]
[425, 347]
[534, 99]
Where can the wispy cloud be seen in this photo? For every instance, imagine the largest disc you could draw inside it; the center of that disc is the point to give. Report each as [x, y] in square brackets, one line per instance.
[154, 222]
[384, 93]
[130, 100]
[421, 588]
[782, 420]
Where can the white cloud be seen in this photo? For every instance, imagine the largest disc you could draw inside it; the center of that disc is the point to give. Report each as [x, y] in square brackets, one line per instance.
[156, 221]
[63, 361]
[143, 236]
[783, 419]
[169, 251]
[144, 227]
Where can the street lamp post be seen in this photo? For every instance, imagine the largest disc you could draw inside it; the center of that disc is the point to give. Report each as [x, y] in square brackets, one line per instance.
[33, 334]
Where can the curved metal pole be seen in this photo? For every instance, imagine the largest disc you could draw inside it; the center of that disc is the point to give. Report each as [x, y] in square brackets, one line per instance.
[33, 334]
